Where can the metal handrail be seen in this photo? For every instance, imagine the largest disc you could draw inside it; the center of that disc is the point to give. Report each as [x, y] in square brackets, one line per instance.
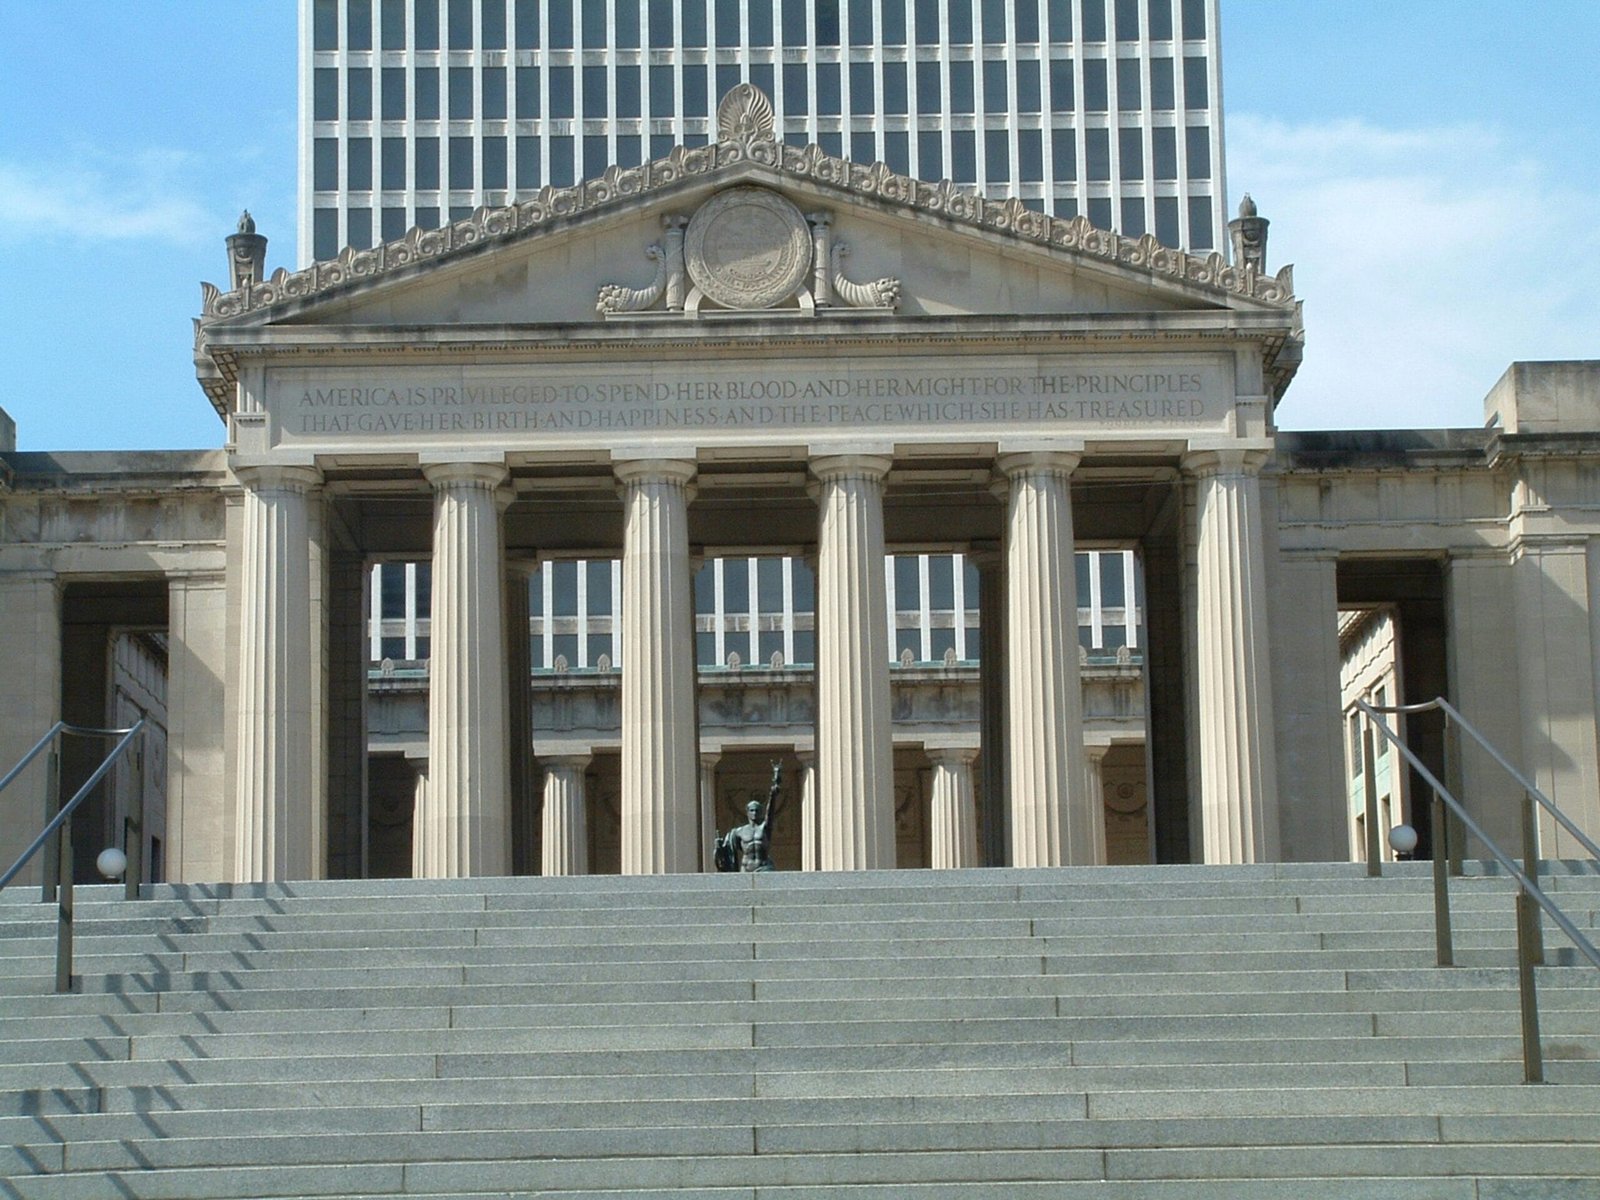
[58, 829]
[1530, 940]
[1532, 789]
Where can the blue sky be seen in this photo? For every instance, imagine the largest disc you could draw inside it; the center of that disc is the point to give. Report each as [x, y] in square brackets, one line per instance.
[1432, 169]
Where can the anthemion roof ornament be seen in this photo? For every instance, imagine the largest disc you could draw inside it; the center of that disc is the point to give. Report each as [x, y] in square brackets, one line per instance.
[745, 115]
[1249, 234]
[247, 253]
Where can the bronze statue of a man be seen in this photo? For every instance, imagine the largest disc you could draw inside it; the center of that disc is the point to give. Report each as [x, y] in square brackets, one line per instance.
[749, 847]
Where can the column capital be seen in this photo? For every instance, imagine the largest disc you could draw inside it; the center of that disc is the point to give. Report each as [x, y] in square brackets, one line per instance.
[1224, 460]
[1096, 752]
[951, 756]
[830, 467]
[484, 474]
[269, 476]
[639, 471]
[1038, 462]
[567, 762]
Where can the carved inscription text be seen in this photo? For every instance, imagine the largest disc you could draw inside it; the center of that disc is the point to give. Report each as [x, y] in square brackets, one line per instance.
[308, 405]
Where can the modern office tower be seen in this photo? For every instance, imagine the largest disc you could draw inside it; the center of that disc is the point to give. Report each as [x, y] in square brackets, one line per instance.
[414, 112]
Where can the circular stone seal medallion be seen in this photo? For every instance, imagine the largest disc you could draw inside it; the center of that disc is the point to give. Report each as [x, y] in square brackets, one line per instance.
[747, 247]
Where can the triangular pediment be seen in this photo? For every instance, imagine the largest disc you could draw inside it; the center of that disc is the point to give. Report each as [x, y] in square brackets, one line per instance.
[547, 260]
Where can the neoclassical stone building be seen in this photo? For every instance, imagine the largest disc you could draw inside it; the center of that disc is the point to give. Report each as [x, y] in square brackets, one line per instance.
[748, 351]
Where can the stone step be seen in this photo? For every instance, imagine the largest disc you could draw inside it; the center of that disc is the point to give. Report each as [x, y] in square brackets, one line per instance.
[109, 996]
[457, 1056]
[1318, 1137]
[1188, 1064]
[666, 1174]
[1424, 1187]
[1349, 1089]
[1018, 1120]
[721, 963]
[596, 926]
[876, 1073]
[527, 1004]
[725, 1026]
[669, 896]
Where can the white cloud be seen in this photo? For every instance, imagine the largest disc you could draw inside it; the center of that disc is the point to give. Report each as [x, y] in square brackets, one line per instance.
[95, 197]
[1428, 258]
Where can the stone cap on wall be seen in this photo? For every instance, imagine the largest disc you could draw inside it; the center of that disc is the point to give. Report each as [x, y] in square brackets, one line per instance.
[1546, 397]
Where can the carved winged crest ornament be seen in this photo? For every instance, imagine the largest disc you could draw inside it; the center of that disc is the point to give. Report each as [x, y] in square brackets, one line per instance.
[746, 249]
[745, 115]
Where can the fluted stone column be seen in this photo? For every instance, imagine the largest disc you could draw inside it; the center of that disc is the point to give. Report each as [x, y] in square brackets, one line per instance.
[955, 815]
[855, 753]
[465, 828]
[419, 812]
[1051, 824]
[1094, 761]
[995, 835]
[708, 809]
[565, 829]
[1233, 677]
[808, 809]
[660, 754]
[275, 817]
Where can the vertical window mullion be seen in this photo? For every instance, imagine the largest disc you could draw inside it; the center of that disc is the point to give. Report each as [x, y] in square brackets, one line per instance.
[718, 611]
[1097, 637]
[924, 609]
[375, 613]
[958, 573]
[1130, 602]
[788, 610]
[754, 600]
[411, 611]
[893, 605]
[582, 658]
[547, 579]
[1219, 179]
[616, 613]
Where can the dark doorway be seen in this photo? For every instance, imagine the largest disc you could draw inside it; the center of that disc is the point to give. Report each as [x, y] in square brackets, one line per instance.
[113, 668]
[1413, 590]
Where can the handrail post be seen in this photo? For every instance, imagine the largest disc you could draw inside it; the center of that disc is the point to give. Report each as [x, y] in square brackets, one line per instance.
[1530, 868]
[64, 911]
[1443, 937]
[1532, 1052]
[133, 826]
[50, 867]
[1369, 773]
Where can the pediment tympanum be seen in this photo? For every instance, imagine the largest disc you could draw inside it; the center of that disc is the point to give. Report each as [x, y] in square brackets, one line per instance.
[568, 251]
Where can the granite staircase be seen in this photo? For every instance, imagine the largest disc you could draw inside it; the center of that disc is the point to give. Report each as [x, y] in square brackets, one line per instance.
[1252, 1033]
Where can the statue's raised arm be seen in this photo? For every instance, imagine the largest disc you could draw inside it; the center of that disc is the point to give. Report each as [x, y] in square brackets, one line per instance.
[772, 792]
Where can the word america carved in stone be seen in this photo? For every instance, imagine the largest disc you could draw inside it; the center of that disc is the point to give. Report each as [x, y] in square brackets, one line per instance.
[747, 249]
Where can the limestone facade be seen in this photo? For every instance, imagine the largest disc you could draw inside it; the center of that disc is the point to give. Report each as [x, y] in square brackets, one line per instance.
[988, 381]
